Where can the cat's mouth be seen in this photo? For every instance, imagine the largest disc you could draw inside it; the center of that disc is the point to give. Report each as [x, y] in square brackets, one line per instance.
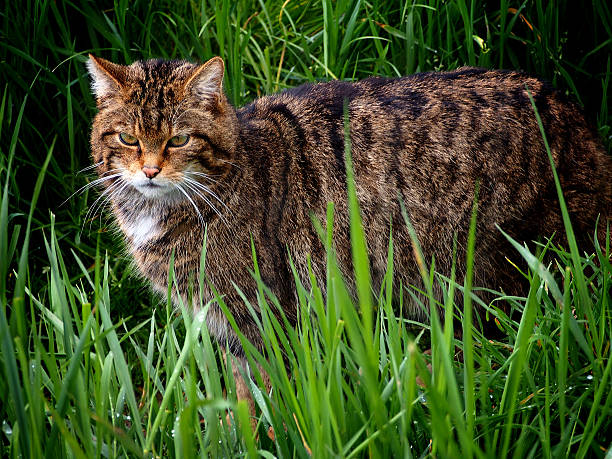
[152, 188]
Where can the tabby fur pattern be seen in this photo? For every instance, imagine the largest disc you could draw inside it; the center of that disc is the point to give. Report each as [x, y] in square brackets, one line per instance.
[262, 171]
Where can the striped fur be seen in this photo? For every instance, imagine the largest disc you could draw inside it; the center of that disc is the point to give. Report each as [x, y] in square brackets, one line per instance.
[425, 139]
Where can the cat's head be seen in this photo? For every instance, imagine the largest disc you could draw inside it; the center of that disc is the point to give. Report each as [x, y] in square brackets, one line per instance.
[164, 129]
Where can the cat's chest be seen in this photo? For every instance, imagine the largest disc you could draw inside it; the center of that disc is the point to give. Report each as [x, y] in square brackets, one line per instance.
[140, 229]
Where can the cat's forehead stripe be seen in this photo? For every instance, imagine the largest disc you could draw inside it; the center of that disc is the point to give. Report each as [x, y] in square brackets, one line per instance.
[156, 83]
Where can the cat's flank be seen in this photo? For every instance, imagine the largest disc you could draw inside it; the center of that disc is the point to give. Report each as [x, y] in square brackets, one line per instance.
[175, 157]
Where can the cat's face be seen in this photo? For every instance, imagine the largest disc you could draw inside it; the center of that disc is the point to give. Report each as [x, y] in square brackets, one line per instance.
[164, 130]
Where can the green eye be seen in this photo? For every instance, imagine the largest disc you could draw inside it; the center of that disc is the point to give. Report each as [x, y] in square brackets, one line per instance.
[128, 139]
[178, 140]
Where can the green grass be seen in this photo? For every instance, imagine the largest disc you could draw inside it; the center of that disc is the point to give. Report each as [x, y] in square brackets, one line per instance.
[93, 365]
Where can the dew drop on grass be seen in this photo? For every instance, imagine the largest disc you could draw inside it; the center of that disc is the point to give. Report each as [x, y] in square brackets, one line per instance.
[7, 429]
[589, 377]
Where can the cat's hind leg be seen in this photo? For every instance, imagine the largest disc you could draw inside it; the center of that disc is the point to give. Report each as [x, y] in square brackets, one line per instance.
[241, 375]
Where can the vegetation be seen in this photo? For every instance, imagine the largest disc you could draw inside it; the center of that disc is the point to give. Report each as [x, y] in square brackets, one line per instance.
[92, 364]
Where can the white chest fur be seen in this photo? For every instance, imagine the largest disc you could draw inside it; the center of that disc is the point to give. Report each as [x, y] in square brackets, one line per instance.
[141, 229]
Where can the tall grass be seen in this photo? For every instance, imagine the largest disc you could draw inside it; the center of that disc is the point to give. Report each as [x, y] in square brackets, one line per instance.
[93, 365]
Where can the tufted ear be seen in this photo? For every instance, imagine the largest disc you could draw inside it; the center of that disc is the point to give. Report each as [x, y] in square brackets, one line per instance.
[206, 81]
[107, 78]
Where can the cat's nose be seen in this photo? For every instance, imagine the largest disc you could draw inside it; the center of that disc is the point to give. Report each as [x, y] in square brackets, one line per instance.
[150, 171]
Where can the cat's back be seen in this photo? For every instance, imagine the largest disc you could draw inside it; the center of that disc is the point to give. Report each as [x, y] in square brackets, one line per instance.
[477, 88]
[460, 115]
[429, 138]
[433, 132]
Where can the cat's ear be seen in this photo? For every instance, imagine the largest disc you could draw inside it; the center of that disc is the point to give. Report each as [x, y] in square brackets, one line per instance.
[206, 82]
[106, 78]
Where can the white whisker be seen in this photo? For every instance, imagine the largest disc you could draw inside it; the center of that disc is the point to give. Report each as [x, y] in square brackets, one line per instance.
[192, 203]
[229, 162]
[210, 204]
[93, 166]
[89, 185]
[204, 188]
[107, 193]
[113, 170]
[122, 185]
[203, 175]
[113, 190]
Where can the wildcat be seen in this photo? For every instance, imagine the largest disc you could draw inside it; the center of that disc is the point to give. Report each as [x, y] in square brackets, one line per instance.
[174, 156]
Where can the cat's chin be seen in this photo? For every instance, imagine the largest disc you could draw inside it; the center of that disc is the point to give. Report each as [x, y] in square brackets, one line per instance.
[157, 191]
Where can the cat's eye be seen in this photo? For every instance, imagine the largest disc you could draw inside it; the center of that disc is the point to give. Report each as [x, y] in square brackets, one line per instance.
[178, 140]
[128, 139]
